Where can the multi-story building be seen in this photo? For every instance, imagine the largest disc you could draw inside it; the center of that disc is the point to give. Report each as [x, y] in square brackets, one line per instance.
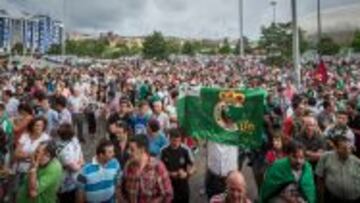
[50, 32]
[58, 32]
[16, 31]
[33, 32]
[33, 26]
[44, 32]
[4, 31]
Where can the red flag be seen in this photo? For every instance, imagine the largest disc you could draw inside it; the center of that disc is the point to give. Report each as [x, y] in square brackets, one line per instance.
[321, 73]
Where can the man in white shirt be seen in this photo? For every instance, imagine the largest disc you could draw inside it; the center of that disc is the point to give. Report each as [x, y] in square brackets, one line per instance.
[77, 104]
[221, 159]
[64, 113]
[159, 115]
[11, 103]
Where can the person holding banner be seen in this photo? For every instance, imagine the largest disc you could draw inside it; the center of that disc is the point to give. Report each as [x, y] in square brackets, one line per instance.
[221, 159]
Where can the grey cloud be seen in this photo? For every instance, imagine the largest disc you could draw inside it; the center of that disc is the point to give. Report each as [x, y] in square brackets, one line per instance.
[186, 18]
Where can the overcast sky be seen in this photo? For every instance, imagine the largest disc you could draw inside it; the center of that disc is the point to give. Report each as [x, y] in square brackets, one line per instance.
[184, 18]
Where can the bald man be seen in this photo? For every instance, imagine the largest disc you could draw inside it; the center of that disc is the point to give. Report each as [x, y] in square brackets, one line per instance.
[235, 190]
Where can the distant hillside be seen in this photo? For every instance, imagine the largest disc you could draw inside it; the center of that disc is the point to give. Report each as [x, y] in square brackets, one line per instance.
[339, 23]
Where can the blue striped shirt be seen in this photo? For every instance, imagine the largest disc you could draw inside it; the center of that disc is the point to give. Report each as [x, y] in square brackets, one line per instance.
[157, 143]
[99, 181]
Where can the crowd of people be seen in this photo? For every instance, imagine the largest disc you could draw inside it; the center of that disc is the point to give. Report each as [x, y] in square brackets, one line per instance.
[310, 150]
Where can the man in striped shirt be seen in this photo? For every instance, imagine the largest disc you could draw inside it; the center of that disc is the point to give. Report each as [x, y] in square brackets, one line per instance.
[99, 180]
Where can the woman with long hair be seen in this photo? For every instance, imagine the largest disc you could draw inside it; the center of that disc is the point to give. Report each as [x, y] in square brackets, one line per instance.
[27, 144]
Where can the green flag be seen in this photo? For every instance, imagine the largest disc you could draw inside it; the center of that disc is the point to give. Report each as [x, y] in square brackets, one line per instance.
[228, 116]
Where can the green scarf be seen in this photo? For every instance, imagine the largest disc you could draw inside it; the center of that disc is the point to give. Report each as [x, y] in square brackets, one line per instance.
[340, 85]
[340, 105]
[279, 175]
[6, 124]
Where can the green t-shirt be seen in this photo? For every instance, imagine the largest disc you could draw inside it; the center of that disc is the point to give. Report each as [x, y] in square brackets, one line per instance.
[144, 91]
[7, 126]
[49, 179]
[340, 85]
[340, 105]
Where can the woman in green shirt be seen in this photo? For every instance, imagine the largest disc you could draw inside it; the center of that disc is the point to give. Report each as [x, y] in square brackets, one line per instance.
[44, 177]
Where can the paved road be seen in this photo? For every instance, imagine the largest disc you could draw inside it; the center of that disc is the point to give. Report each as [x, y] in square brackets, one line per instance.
[196, 182]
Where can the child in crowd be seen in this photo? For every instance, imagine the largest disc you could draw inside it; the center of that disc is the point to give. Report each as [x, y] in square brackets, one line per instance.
[277, 150]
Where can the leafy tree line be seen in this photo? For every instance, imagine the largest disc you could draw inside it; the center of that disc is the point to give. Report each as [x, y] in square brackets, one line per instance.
[275, 42]
[154, 46]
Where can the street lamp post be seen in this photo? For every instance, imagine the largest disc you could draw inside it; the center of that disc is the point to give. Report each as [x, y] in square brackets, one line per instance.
[63, 38]
[319, 22]
[296, 45]
[273, 4]
[25, 35]
[241, 24]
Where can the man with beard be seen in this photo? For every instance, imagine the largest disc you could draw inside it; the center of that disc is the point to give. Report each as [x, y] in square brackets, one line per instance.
[145, 178]
[289, 179]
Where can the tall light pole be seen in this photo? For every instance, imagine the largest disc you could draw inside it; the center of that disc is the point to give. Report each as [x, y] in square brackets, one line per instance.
[63, 38]
[296, 44]
[25, 33]
[319, 22]
[241, 27]
[273, 4]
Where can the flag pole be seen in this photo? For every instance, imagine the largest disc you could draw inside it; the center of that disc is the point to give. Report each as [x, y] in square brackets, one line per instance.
[241, 27]
[296, 44]
[319, 29]
[273, 4]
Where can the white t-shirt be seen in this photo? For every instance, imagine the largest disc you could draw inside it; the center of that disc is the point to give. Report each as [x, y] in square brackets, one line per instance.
[65, 116]
[69, 152]
[29, 146]
[12, 106]
[77, 104]
[221, 159]
[163, 119]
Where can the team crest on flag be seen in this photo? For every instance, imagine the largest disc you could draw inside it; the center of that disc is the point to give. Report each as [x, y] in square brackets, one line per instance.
[228, 116]
[227, 100]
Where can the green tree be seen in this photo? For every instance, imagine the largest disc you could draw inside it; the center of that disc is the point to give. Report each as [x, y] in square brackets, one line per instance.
[327, 46]
[174, 46]
[155, 47]
[93, 48]
[356, 42]
[247, 48]
[225, 47]
[208, 47]
[135, 49]
[71, 47]
[98, 47]
[18, 48]
[55, 49]
[115, 54]
[188, 48]
[276, 40]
